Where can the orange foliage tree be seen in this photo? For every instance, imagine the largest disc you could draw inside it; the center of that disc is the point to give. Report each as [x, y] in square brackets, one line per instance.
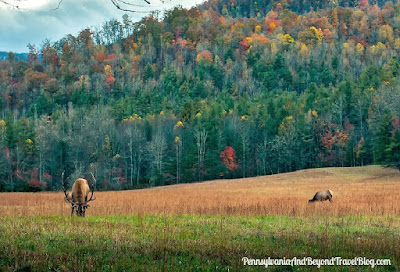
[205, 56]
[228, 157]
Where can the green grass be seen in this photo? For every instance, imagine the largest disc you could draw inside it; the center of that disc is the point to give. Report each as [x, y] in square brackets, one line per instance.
[191, 243]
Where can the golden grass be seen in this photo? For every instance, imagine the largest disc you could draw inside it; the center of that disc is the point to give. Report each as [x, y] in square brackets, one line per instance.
[370, 190]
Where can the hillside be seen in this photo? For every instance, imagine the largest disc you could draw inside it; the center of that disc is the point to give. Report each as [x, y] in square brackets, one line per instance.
[202, 94]
[357, 190]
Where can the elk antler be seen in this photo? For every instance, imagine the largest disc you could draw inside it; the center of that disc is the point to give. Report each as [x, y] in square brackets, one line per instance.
[92, 189]
[63, 186]
[65, 191]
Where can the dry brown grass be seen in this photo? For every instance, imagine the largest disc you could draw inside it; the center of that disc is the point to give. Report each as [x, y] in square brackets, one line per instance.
[370, 190]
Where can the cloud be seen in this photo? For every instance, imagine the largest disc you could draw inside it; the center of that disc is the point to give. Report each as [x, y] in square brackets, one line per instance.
[20, 27]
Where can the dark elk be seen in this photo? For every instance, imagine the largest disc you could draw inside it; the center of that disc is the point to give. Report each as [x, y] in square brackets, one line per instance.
[78, 197]
[322, 196]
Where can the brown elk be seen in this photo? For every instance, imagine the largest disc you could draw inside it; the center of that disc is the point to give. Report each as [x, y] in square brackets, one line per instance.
[78, 197]
[322, 196]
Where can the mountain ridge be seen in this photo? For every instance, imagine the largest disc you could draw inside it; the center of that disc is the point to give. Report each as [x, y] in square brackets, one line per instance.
[17, 56]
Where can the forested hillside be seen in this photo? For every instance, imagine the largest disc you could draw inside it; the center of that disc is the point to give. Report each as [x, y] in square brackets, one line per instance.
[230, 89]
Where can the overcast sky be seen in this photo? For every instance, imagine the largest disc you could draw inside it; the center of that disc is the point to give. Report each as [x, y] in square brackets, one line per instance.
[37, 21]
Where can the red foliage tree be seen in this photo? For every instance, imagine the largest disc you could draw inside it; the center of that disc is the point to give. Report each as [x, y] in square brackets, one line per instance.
[227, 157]
[7, 153]
[363, 3]
[395, 125]
[34, 181]
[245, 44]
[110, 80]
[334, 141]
[112, 57]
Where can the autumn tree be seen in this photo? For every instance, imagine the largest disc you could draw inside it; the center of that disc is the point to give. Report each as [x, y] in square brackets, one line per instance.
[228, 158]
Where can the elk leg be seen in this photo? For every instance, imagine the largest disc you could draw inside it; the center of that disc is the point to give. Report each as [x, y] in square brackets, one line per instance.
[72, 211]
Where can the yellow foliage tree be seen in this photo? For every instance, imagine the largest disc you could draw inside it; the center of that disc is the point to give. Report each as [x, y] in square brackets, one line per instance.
[397, 44]
[318, 34]
[178, 124]
[385, 34]
[378, 50]
[287, 39]
[303, 50]
[274, 48]
[360, 48]
[108, 71]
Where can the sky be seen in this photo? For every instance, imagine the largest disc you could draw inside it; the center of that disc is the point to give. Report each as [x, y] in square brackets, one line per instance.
[37, 20]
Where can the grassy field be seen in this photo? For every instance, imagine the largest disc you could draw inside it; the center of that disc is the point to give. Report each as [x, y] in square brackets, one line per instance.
[209, 226]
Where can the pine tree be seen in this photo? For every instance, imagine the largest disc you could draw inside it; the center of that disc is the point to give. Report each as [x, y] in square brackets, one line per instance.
[148, 72]
[393, 151]
[383, 139]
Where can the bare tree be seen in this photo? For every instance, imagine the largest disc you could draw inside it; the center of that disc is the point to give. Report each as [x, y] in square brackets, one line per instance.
[135, 150]
[178, 153]
[200, 136]
[156, 148]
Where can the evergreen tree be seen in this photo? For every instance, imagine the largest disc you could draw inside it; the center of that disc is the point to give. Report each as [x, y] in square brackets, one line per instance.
[383, 140]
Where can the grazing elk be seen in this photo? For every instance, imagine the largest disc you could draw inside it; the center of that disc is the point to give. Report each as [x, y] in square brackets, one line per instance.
[78, 197]
[322, 196]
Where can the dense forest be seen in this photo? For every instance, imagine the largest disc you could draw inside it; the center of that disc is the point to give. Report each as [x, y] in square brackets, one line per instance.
[229, 89]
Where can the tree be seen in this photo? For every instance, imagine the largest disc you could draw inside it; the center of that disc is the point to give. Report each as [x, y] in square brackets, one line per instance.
[383, 138]
[135, 147]
[156, 148]
[393, 151]
[178, 149]
[148, 72]
[178, 154]
[228, 158]
[200, 135]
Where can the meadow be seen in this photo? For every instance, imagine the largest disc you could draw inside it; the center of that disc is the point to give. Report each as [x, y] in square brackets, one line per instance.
[209, 226]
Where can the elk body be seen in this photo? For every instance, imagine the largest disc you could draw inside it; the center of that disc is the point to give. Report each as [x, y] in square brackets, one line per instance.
[322, 196]
[78, 197]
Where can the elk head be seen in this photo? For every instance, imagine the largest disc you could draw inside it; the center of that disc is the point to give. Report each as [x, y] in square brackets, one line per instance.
[78, 197]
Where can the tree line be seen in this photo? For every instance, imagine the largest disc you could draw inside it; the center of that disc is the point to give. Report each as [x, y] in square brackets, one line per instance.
[203, 94]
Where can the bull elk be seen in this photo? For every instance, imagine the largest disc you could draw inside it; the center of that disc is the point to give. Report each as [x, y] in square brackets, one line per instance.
[78, 197]
[322, 196]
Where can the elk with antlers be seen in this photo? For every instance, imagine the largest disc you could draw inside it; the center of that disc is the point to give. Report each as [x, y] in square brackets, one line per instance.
[78, 197]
